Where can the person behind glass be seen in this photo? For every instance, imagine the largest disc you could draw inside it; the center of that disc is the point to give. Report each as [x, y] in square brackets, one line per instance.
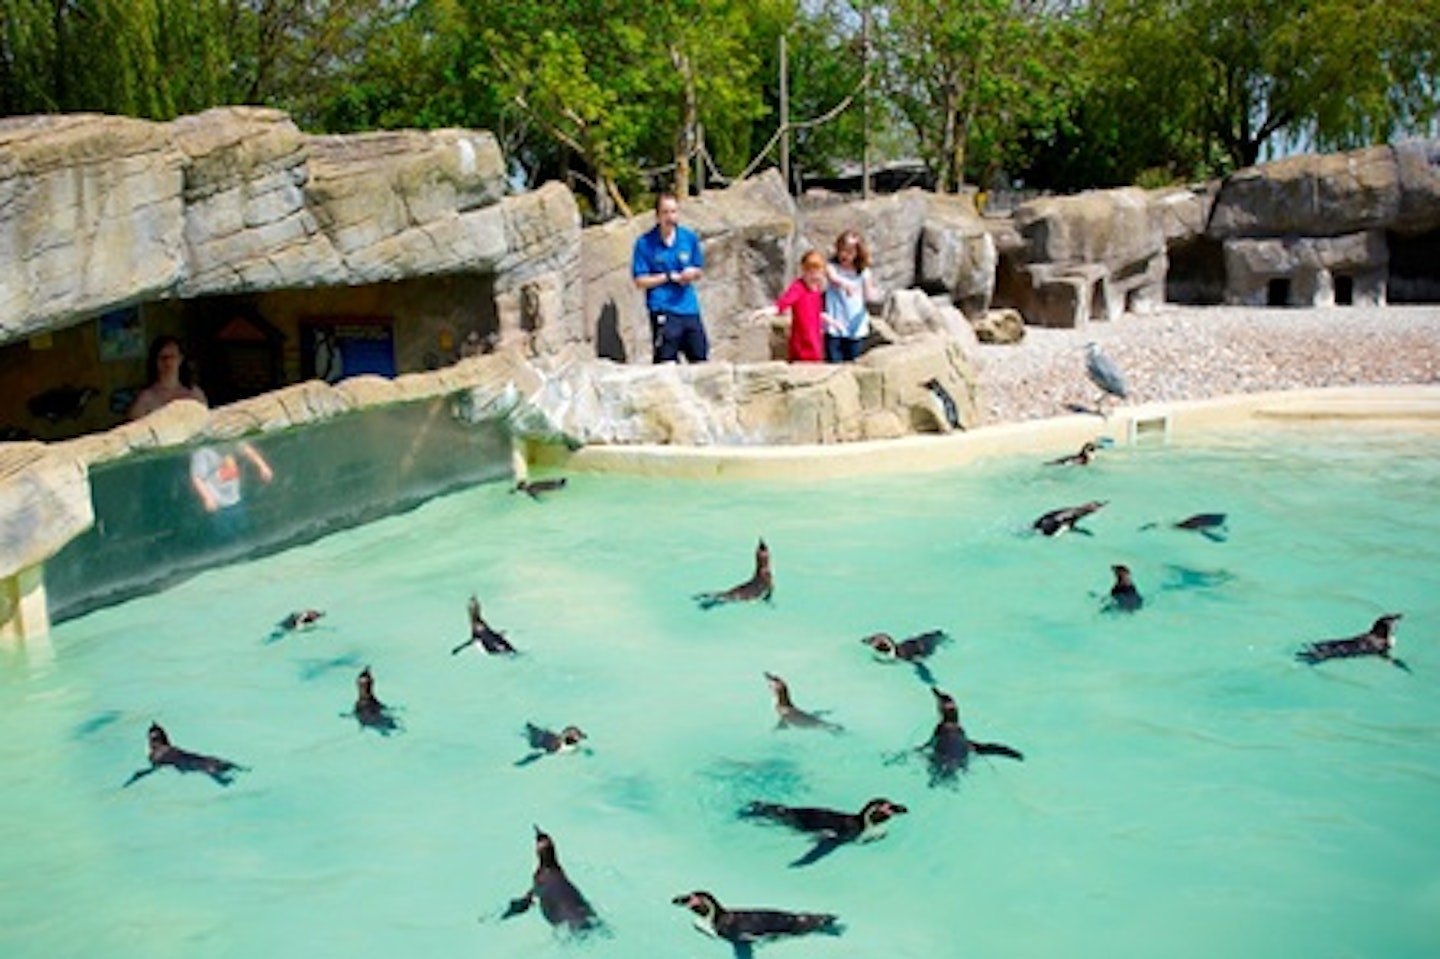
[169, 379]
[666, 263]
[805, 299]
[851, 289]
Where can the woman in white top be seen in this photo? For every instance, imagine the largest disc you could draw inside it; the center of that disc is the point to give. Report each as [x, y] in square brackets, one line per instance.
[850, 289]
[169, 379]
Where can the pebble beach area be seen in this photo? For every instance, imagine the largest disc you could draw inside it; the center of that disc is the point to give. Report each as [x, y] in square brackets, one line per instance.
[1191, 353]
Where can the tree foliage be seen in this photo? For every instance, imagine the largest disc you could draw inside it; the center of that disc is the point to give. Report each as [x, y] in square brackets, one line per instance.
[619, 98]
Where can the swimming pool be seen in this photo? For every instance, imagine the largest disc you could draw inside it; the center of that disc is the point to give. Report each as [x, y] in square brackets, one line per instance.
[1187, 787]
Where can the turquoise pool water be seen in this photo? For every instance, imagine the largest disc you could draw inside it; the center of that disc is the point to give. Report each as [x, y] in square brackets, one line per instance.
[1187, 790]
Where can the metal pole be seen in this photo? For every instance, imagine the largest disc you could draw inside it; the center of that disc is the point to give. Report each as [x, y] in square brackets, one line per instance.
[865, 104]
[784, 115]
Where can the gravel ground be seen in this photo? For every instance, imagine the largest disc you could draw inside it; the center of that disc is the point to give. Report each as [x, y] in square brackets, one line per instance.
[1186, 353]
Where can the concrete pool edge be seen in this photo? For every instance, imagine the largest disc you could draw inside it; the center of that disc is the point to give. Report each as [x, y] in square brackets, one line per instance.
[1388, 407]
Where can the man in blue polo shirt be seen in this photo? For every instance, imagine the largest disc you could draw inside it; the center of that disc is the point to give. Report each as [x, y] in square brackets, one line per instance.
[666, 264]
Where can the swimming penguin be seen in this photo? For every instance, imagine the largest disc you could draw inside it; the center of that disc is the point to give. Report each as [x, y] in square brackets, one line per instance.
[948, 749]
[561, 903]
[792, 716]
[834, 828]
[538, 487]
[1379, 641]
[369, 711]
[1058, 521]
[545, 742]
[1081, 458]
[481, 635]
[911, 650]
[163, 754]
[1209, 525]
[1124, 597]
[744, 926]
[947, 403]
[300, 619]
[757, 587]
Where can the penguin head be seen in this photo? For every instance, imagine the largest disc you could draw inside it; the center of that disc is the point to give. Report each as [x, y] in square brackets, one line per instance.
[1384, 627]
[882, 643]
[571, 736]
[704, 905]
[365, 682]
[156, 736]
[944, 702]
[879, 811]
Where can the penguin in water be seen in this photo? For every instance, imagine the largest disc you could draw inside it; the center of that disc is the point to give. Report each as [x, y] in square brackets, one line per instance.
[545, 742]
[537, 488]
[1209, 525]
[162, 753]
[562, 905]
[1124, 597]
[946, 401]
[1058, 521]
[1379, 641]
[745, 927]
[949, 749]
[1083, 457]
[482, 636]
[760, 586]
[302, 620]
[370, 712]
[912, 650]
[832, 827]
[792, 716]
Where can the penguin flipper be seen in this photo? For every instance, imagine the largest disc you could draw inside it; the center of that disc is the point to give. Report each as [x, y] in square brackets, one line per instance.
[138, 775]
[519, 905]
[462, 647]
[997, 749]
[817, 852]
[1399, 663]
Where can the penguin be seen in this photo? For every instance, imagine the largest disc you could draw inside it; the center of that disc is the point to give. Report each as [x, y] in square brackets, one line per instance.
[537, 488]
[562, 905]
[792, 716]
[1209, 525]
[162, 753]
[370, 712]
[482, 636]
[300, 619]
[834, 828]
[946, 401]
[1080, 458]
[1124, 597]
[747, 926]
[545, 742]
[1379, 641]
[759, 586]
[912, 650]
[948, 749]
[1058, 521]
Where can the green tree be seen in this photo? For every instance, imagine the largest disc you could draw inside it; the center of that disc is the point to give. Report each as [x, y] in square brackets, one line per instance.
[976, 75]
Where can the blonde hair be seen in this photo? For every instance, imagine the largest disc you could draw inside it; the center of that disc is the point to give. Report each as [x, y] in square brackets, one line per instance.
[862, 252]
[812, 260]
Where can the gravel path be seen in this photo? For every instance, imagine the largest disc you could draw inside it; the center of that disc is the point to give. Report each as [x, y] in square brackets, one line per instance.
[1185, 353]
